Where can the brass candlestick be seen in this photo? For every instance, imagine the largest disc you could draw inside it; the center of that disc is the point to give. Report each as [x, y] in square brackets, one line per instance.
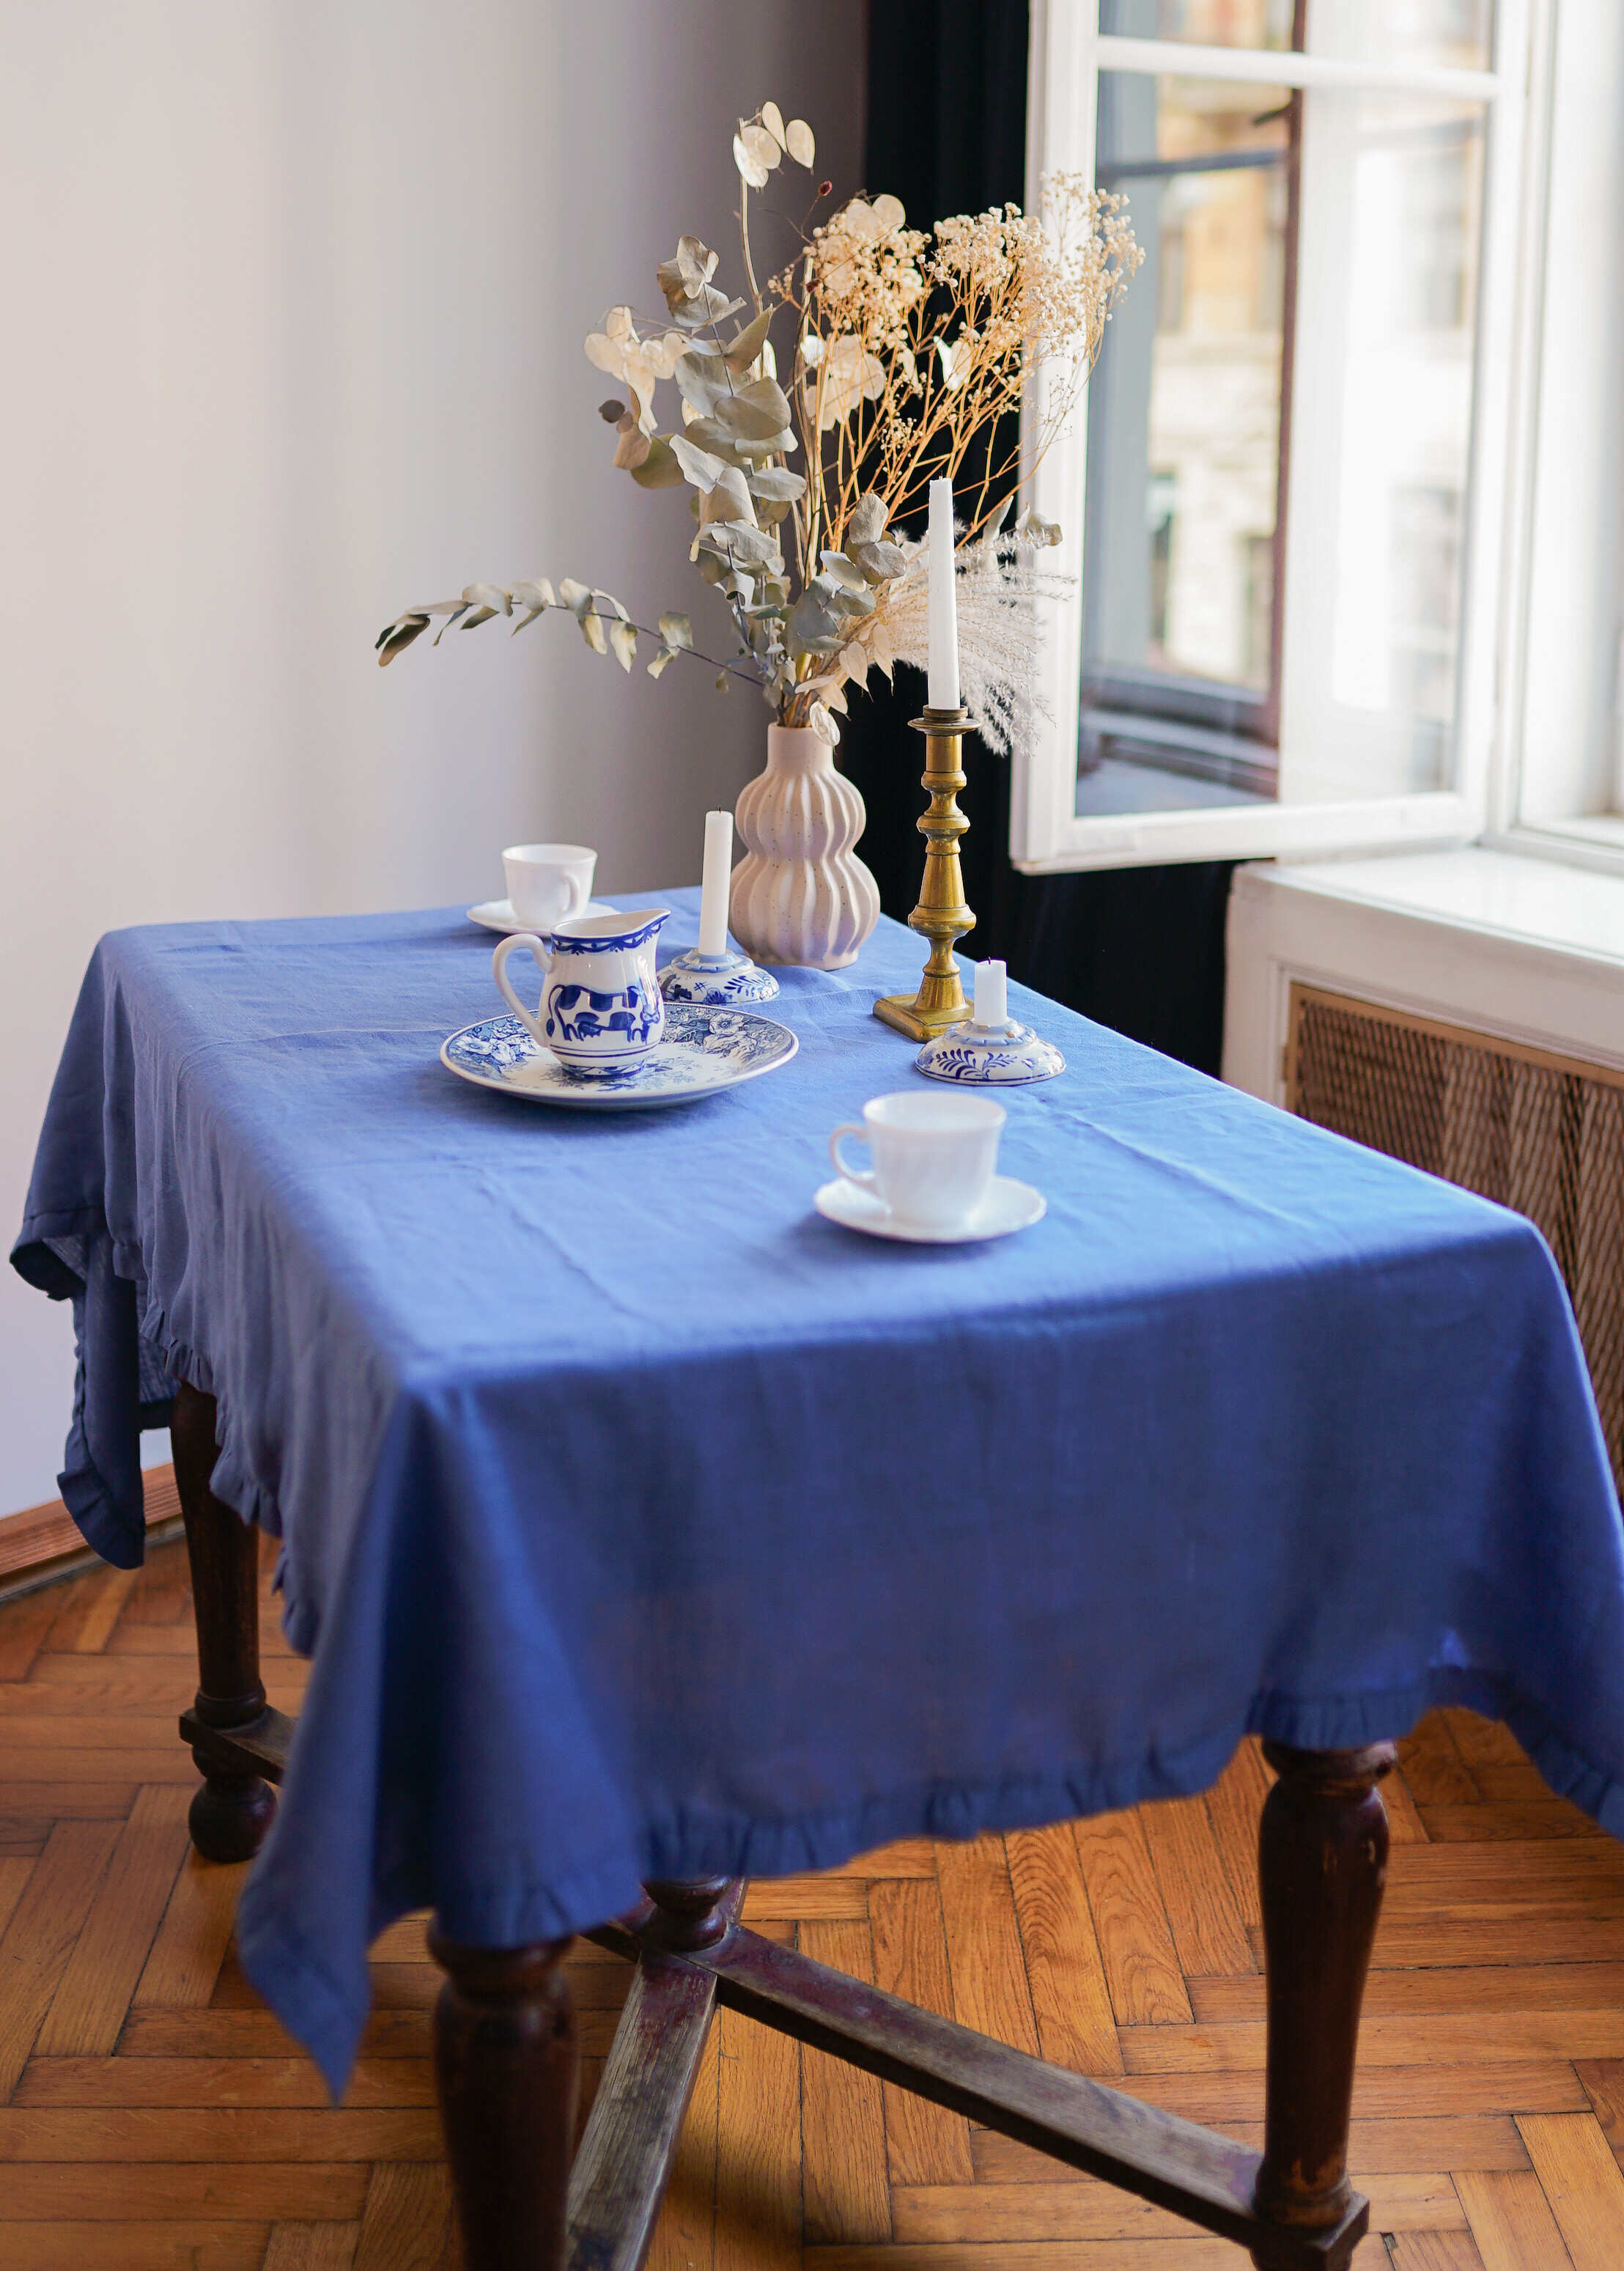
[941, 913]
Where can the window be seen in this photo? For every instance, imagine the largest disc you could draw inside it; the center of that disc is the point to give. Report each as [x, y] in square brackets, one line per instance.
[1306, 483]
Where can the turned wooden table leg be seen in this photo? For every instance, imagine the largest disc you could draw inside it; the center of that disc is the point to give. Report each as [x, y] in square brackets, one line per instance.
[692, 1912]
[1322, 1865]
[233, 1810]
[506, 2070]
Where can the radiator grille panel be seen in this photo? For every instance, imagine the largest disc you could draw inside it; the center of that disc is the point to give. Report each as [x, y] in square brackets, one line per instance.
[1540, 1133]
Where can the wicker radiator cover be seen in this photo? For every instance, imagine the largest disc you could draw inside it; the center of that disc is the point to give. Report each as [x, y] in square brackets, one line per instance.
[1540, 1133]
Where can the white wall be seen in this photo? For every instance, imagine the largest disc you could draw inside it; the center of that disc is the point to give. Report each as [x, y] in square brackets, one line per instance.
[294, 295]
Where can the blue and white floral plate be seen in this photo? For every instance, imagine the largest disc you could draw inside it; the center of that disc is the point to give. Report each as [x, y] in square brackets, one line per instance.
[704, 1051]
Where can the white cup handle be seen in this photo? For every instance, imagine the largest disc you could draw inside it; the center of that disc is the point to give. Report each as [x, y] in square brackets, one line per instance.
[865, 1176]
[498, 971]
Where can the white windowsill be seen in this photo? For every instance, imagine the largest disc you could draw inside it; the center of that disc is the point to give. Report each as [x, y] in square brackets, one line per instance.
[1500, 894]
[1508, 945]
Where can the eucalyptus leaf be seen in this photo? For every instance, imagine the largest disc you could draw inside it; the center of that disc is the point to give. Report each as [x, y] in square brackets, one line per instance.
[614, 603]
[538, 594]
[751, 453]
[659, 470]
[576, 597]
[592, 632]
[456, 615]
[489, 595]
[525, 619]
[730, 500]
[780, 483]
[812, 628]
[740, 543]
[665, 654]
[475, 616]
[721, 682]
[742, 351]
[700, 466]
[623, 639]
[841, 570]
[880, 562]
[396, 637]
[703, 377]
[769, 401]
[676, 631]
[867, 521]
[704, 308]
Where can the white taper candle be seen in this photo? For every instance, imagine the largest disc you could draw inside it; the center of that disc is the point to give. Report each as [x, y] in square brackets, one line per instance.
[944, 672]
[714, 886]
[991, 994]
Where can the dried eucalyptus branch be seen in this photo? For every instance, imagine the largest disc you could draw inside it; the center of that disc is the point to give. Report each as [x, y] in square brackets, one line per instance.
[910, 347]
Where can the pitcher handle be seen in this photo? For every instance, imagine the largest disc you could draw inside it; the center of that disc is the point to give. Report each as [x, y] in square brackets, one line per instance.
[543, 954]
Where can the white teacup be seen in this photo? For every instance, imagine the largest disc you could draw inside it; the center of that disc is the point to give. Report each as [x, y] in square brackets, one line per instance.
[934, 1156]
[548, 882]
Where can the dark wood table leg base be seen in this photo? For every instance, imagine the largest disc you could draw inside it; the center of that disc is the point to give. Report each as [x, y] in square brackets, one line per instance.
[230, 1815]
[235, 1806]
[1322, 1866]
[506, 2068]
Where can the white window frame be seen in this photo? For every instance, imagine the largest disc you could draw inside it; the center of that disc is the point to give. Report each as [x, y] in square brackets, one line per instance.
[1067, 52]
[1562, 759]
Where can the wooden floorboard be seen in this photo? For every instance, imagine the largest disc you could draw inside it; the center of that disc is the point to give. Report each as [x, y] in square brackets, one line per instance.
[155, 2117]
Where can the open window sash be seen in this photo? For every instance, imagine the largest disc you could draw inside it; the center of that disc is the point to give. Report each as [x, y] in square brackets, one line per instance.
[1354, 773]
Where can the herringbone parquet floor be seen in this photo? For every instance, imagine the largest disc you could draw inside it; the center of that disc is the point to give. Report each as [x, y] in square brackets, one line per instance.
[153, 2117]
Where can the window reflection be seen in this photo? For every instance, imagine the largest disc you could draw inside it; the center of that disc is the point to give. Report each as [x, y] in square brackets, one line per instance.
[1456, 32]
[1184, 429]
[1372, 202]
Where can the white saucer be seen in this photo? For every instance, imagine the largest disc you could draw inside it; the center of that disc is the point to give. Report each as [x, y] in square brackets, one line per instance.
[497, 914]
[704, 1051]
[1008, 1205]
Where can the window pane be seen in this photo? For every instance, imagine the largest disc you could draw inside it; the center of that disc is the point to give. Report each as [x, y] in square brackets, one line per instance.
[1392, 196]
[1450, 32]
[1455, 33]
[1194, 671]
[1208, 23]
[1183, 433]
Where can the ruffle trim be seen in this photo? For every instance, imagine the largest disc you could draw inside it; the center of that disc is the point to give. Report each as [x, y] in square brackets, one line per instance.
[328, 2015]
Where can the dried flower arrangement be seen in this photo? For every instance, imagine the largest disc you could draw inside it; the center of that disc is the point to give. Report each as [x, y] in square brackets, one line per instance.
[910, 347]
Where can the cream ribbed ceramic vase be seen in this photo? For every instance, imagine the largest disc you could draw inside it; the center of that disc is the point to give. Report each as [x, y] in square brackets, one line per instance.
[800, 894]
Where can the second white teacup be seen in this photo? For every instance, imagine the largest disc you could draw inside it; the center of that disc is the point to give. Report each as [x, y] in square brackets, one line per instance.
[548, 882]
[934, 1156]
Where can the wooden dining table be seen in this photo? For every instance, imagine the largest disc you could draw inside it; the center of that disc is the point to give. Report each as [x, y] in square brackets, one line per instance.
[647, 1532]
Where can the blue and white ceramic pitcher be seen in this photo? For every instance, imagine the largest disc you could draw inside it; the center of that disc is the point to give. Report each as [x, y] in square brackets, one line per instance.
[600, 1011]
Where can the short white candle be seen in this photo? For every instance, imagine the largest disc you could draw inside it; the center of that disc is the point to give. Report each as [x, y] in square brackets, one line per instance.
[714, 887]
[944, 672]
[991, 994]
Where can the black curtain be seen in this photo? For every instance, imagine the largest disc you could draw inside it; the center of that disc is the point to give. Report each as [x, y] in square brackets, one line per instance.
[1140, 949]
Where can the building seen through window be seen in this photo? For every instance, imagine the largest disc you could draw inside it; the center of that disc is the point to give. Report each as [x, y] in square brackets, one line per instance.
[1300, 340]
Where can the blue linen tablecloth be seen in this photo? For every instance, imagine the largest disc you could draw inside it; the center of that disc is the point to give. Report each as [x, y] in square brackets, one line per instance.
[640, 1522]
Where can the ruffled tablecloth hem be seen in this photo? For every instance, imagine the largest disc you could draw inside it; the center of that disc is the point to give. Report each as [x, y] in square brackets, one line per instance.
[328, 2016]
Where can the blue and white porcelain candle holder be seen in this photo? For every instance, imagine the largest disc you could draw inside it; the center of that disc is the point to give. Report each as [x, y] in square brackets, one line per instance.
[729, 980]
[993, 1055]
